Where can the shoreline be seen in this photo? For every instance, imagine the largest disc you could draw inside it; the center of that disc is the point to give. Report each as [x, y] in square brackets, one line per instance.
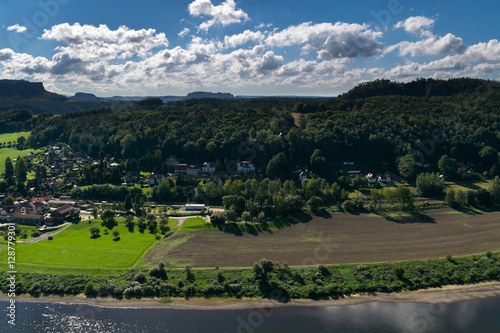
[445, 294]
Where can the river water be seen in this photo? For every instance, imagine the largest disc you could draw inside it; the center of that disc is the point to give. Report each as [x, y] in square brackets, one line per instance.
[471, 316]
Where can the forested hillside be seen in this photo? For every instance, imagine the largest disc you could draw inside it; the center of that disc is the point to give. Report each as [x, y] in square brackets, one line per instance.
[368, 131]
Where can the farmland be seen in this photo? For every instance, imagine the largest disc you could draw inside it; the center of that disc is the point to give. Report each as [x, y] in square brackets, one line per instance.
[341, 238]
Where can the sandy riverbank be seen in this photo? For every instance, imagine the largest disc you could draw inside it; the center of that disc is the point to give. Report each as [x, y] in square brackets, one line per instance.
[446, 294]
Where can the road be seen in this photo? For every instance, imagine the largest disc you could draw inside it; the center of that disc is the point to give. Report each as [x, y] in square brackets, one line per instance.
[45, 236]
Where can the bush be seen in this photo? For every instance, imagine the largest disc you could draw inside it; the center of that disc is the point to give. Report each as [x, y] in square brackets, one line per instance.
[94, 232]
[140, 277]
[430, 184]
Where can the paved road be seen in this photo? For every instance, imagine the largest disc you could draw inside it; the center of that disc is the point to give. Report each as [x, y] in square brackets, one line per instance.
[45, 236]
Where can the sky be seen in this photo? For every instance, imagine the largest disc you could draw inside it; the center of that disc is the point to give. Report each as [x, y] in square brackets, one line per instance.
[244, 47]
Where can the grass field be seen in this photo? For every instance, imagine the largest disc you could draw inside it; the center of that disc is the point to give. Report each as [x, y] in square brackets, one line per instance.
[13, 152]
[75, 248]
[467, 186]
[341, 238]
[12, 137]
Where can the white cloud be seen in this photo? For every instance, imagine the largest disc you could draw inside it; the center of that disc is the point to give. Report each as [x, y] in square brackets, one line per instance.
[413, 70]
[223, 14]
[433, 45]
[429, 44]
[17, 28]
[484, 51]
[339, 40]
[415, 24]
[184, 32]
[243, 38]
[263, 25]
[96, 43]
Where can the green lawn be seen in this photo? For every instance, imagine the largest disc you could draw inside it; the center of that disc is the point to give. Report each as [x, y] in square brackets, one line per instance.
[12, 137]
[196, 223]
[13, 153]
[467, 186]
[74, 247]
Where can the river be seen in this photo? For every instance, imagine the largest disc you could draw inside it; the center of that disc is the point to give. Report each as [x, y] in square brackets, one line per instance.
[471, 316]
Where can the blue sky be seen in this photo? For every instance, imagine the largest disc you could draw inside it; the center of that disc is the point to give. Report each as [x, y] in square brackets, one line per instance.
[250, 47]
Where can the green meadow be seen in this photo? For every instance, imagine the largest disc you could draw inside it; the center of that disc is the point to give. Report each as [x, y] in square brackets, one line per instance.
[74, 248]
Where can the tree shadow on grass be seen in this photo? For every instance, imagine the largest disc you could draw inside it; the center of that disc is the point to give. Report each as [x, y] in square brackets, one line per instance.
[469, 211]
[409, 217]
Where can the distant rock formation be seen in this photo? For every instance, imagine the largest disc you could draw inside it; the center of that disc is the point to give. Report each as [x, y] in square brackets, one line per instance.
[21, 88]
[80, 96]
[203, 94]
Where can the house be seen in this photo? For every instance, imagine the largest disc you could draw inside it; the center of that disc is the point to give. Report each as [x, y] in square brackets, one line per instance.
[385, 178]
[132, 177]
[40, 196]
[29, 208]
[245, 166]
[60, 213]
[34, 208]
[462, 167]
[9, 211]
[372, 179]
[354, 173]
[28, 219]
[52, 184]
[194, 207]
[208, 167]
[72, 176]
[156, 178]
[172, 161]
[302, 176]
[193, 170]
[68, 164]
[181, 168]
[113, 165]
[108, 158]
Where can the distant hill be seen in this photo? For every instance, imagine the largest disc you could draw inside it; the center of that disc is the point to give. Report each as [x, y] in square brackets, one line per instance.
[203, 94]
[12, 89]
[80, 96]
[420, 88]
[21, 94]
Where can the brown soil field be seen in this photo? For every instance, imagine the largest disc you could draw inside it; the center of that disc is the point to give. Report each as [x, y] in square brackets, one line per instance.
[339, 238]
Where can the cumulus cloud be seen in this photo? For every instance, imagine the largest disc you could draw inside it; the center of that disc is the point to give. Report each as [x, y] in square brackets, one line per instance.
[223, 14]
[433, 45]
[482, 52]
[413, 69]
[339, 40]
[243, 38]
[415, 24]
[17, 28]
[429, 44]
[90, 42]
[183, 33]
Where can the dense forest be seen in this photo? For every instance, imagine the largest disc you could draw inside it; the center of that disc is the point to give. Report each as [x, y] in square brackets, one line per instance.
[388, 129]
